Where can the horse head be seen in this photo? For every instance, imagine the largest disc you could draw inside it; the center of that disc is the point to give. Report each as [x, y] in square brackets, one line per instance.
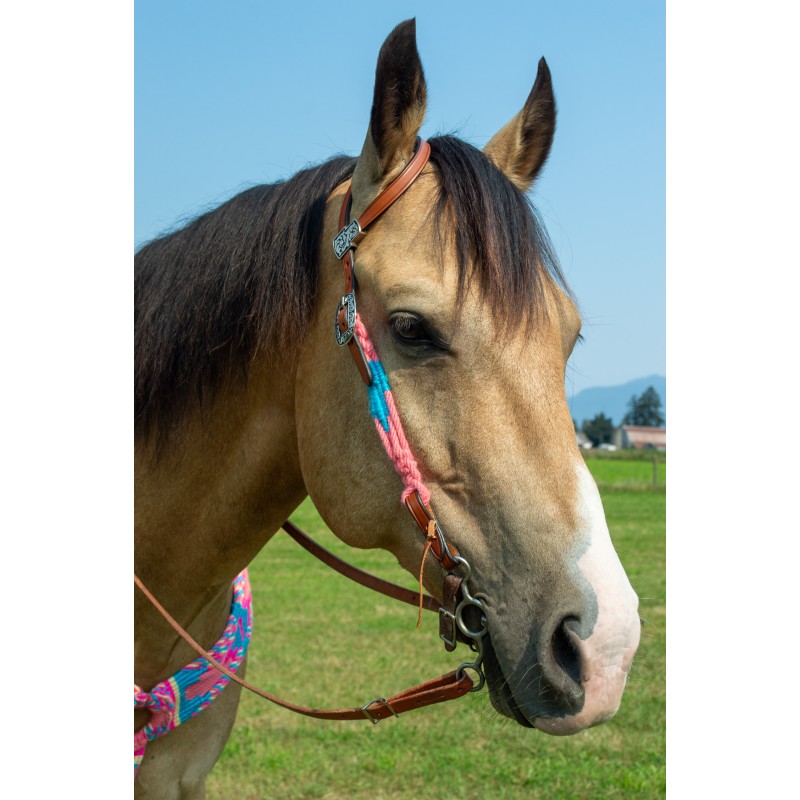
[463, 299]
[245, 404]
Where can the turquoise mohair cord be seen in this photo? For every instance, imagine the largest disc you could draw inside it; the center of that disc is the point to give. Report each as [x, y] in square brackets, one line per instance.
[377, 397]
[387, 421]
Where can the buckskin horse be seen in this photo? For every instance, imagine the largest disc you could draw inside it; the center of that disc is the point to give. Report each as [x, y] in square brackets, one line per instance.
[248, 400]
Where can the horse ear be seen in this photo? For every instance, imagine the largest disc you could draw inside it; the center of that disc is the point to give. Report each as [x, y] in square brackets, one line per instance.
[398, 110]
[521, 147]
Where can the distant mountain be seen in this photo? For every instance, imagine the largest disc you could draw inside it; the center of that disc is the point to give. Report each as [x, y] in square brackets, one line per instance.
[613, 400]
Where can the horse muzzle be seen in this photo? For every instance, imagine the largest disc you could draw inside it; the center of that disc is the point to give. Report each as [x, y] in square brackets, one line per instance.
[571, 685]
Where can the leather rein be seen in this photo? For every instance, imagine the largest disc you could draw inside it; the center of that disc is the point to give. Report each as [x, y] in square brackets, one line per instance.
[457, 598]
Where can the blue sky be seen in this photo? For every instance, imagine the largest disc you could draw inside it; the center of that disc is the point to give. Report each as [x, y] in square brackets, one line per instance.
[230, 95]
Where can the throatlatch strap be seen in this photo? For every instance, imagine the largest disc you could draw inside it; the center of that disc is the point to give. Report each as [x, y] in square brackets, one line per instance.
[359, 576]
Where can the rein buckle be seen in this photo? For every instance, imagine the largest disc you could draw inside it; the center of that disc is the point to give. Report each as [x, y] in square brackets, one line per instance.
[376, 720]
[447, 628]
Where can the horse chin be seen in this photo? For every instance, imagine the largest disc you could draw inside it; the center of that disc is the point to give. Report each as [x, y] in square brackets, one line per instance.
[546, 719]
[500, 694]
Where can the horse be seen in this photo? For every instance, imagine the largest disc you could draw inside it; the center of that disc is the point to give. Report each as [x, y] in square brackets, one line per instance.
[245, 404]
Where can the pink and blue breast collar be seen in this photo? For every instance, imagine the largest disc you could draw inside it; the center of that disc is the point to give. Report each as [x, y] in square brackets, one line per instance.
[193, 688]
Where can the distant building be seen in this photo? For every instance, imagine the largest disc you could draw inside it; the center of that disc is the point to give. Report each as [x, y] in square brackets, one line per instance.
[583, 440]
[640, 437]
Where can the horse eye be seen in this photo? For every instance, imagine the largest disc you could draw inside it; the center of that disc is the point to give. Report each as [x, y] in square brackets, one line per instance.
[410, 329]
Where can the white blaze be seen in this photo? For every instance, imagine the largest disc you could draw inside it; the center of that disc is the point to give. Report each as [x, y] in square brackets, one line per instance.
[607, 654]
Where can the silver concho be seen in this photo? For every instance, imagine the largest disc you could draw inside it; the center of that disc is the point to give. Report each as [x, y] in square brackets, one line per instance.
[348, 302]
[343, 240]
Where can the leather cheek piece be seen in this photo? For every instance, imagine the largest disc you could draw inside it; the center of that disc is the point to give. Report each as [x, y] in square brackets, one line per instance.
[422, 516]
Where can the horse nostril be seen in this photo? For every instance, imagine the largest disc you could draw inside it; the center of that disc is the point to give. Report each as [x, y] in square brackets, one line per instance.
[564, 652]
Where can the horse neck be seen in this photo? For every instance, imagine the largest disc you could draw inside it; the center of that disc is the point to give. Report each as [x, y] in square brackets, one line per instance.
[221, 488]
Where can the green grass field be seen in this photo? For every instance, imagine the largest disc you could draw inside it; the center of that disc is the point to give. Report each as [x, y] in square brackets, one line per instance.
[628, 469]
[321, 640]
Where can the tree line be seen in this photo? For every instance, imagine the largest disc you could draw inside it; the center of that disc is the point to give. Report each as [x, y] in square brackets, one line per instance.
[646, 409]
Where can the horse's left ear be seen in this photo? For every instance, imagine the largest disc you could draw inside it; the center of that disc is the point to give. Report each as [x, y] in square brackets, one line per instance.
[398, 110]
[521, 147]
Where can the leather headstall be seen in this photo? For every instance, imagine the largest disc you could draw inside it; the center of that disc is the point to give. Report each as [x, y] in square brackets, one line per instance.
[345, 243]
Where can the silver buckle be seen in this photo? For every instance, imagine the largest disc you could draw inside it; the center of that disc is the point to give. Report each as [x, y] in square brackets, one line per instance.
[348, 301]
[373, 720]
[444, 612]
[346, 238]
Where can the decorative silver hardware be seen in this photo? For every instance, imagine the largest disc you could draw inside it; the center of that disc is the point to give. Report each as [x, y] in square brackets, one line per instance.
[346, 238]
[347, 302]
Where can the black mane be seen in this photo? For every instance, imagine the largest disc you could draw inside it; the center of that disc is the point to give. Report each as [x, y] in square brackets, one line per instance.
[244, 275]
